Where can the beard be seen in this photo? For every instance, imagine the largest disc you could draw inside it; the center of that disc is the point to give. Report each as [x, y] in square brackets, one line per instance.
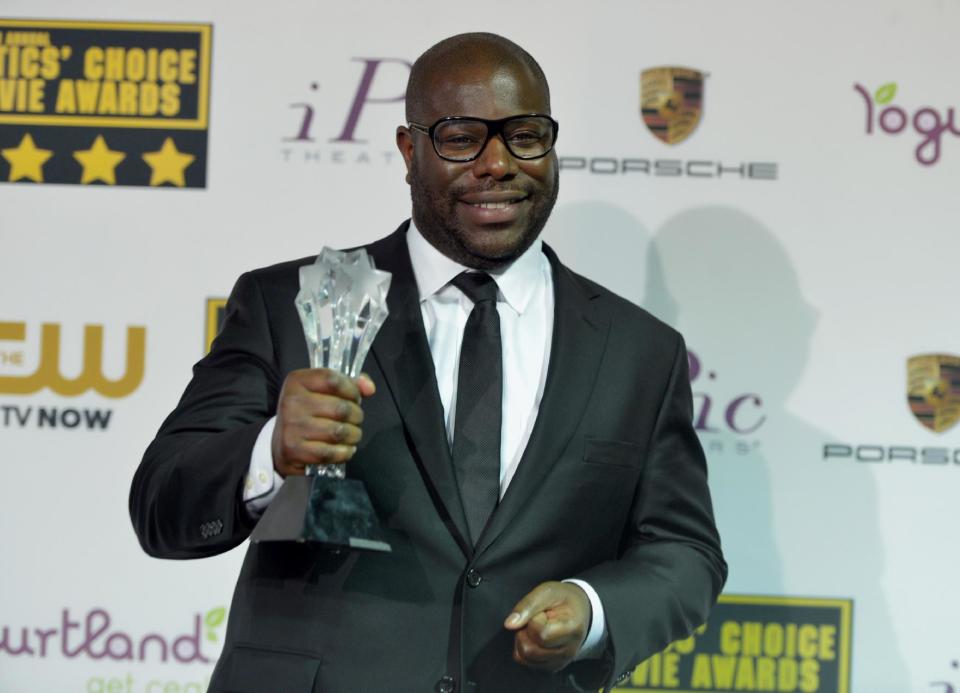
[435, 213]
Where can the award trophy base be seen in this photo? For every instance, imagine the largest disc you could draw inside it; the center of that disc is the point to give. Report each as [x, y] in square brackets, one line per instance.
[335, 513]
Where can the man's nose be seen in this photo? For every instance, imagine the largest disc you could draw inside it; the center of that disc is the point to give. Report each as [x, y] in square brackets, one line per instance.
[495, 160]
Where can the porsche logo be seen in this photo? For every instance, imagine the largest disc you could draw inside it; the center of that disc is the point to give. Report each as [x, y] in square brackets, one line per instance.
[933, 390]
[671, 101]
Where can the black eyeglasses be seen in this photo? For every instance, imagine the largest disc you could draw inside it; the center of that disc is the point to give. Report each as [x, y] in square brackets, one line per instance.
[461, 138]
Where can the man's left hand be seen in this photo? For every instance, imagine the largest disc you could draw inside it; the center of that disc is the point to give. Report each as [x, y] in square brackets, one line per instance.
[550, 625]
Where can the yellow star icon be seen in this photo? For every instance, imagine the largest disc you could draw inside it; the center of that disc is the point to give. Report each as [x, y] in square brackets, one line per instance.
[26, 161]
[168, 164]
[99, 162]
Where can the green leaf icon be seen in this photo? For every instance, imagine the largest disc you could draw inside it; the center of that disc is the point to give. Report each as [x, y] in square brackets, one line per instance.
[215, 617]
[212, 635]
[885, 93]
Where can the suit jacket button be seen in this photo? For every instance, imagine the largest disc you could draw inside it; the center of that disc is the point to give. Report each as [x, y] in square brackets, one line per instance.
[446, 685]
[473, 578]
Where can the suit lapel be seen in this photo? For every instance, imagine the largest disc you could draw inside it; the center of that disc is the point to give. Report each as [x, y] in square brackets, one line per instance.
[579, 338]
[403, 354]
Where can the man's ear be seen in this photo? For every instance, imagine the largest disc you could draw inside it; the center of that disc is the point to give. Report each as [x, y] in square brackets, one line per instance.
[405, 145]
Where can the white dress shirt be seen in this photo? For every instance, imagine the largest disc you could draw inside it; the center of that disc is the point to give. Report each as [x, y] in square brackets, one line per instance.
[525, 306]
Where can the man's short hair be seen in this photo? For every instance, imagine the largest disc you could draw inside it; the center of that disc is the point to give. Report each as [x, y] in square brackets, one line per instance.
[461, 52]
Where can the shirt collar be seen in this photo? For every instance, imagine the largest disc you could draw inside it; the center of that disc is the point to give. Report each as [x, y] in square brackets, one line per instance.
[433, 270]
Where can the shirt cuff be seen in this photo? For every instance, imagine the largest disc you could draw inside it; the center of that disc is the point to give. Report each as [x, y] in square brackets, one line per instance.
[262, 482]
[596, 640]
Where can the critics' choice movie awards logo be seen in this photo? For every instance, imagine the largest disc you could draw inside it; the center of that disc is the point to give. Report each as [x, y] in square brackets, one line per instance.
[96, 636]
[928, 124]
[38, 368]
[671, 108]
[216, 311]
[105, 103]
[933, 397]
[785, 644]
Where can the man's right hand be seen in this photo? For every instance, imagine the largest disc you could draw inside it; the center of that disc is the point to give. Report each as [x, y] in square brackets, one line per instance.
[318, 419]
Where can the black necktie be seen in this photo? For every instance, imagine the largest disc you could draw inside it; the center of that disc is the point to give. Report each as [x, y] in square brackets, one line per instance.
[476, 432]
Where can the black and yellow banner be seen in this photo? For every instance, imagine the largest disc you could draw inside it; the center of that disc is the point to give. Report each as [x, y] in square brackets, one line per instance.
[752, 643]
[109, 103]
[216, 309]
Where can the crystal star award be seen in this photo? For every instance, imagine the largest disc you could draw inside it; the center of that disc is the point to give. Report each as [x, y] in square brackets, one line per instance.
[342, 304]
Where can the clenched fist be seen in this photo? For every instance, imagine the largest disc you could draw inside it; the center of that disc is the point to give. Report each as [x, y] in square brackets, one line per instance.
[318, 419]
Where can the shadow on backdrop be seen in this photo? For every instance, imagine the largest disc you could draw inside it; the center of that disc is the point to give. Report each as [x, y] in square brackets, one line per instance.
[603, 242]
[790, 522]
[610, 246]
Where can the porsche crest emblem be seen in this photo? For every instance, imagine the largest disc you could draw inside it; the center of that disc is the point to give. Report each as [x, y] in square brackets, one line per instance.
[933, 390]
[671, 101]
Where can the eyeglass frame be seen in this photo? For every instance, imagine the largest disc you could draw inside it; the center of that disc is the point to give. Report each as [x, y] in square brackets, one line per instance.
[494, 128]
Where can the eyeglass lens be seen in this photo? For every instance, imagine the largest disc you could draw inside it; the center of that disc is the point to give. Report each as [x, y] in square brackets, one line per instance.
[526, 138]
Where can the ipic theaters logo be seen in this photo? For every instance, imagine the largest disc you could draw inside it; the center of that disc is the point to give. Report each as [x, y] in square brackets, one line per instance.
[331, 132]
[727, 423]
[926, 123]
[20, 378]
[671, 108]
[106, 103]
[97, 637]
[933, 397]
[757, 643]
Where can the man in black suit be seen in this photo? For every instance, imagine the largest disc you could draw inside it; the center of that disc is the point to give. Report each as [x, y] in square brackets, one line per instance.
[587, 546]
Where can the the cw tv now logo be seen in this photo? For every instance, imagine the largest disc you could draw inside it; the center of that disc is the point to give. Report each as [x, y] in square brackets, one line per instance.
[31, 366]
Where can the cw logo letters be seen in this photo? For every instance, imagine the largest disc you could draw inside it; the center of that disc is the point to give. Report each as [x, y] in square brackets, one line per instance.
[91, 376]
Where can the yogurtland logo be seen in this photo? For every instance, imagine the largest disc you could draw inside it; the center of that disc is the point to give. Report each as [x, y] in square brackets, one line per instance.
[926, 122]
[94, 636]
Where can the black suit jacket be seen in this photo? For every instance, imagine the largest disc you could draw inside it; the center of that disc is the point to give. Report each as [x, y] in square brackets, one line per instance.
[611, 488]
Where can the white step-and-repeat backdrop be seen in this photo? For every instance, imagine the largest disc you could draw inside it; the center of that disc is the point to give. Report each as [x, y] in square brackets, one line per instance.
[779, 180]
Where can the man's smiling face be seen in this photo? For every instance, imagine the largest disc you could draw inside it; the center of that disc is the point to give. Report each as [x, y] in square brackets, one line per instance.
[482, 213]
